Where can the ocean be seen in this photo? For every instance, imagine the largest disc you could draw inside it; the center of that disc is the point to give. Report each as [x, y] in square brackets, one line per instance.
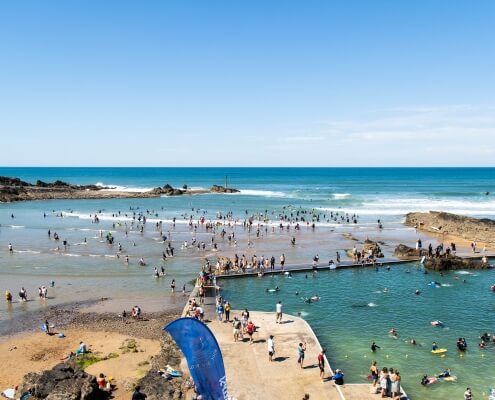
[90, 268]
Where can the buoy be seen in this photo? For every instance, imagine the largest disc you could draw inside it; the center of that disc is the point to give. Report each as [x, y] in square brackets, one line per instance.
[386, 356]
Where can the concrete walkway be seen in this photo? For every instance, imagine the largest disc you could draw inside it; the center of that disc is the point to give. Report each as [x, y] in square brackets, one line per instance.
[251, 376]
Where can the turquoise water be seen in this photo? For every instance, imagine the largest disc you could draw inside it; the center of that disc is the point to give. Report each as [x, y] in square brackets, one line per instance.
[354, 310]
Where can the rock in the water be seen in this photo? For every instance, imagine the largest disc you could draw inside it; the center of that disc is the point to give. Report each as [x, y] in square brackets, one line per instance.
[404, 252]
[62, 382]
[223, 189]
[454, 263]
[365, 250]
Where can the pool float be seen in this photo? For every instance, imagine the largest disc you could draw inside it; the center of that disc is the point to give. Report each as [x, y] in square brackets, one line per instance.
[451, 378]
[439, 351]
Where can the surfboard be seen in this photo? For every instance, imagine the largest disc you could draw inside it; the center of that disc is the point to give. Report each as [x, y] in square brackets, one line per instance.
[439, 351]
[422, 261]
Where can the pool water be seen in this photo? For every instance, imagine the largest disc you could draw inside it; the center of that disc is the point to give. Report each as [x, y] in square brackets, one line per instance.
[359, 306]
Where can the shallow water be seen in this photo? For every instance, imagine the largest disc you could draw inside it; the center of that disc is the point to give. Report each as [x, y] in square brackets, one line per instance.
[359, 306]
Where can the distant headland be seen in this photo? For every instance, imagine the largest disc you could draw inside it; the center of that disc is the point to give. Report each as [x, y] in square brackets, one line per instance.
[14, 189]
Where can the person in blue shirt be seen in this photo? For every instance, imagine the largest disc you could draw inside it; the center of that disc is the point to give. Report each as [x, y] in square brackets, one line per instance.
[338, 377]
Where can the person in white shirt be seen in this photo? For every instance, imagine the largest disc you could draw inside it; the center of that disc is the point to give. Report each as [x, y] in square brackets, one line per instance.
[279, 313]
[271, 347]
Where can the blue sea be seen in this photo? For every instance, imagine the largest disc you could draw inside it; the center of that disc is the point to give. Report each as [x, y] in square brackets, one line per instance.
[332, 198]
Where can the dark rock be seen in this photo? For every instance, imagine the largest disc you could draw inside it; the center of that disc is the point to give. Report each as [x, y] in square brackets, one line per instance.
[157, 387]
[62, 382]
[41, 183]
[404, 252]
[168, 187]
[223, 189]
[6, 181]
[454, 263]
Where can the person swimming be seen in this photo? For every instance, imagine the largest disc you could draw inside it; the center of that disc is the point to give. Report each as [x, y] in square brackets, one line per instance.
[445, 373]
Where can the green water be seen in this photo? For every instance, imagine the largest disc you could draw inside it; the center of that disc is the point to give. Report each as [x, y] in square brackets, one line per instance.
[354, 310]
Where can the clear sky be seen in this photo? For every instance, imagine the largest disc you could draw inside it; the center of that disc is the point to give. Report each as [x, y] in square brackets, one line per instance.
[247, 83]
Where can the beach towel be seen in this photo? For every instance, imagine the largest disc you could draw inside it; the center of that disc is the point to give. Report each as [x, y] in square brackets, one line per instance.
[9, 393]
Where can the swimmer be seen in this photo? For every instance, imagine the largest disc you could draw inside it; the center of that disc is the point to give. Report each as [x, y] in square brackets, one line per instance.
[374, 346]
[393, 332]
[445, 373]
[417, 292]
[413, 342]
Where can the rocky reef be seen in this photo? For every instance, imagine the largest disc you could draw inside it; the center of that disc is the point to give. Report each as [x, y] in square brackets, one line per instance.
[453, 263]
[468, 228]
[14, 189]
[445, 262]
[223, 189]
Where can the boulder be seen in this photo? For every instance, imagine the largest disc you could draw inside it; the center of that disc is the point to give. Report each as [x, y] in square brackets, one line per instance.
[62, 382]
[454, 263]
[223, 189]
[7, 181]
[404, 252]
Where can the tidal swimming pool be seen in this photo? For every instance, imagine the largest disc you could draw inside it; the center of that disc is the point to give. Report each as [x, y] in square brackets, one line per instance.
[358, 306]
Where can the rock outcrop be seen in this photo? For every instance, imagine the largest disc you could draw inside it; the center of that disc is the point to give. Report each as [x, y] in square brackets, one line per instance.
[62, 382]
[223, 189]
[365, 250]
[157, 387]
[404, 252]
[468, 228]
[14, 189]
[454, 263]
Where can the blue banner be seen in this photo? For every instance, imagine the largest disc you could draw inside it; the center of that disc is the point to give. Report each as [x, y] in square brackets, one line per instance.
[203, 356]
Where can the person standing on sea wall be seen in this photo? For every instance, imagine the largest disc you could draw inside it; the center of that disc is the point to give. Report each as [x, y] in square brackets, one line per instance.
[321, 364]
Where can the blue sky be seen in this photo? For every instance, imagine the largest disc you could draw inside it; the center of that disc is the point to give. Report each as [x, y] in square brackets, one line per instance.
[238, 83]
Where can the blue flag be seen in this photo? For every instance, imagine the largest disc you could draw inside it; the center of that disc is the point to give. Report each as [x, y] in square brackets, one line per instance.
[203, 356]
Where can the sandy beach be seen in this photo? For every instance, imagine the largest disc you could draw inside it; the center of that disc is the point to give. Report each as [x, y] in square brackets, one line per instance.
[107, 337]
